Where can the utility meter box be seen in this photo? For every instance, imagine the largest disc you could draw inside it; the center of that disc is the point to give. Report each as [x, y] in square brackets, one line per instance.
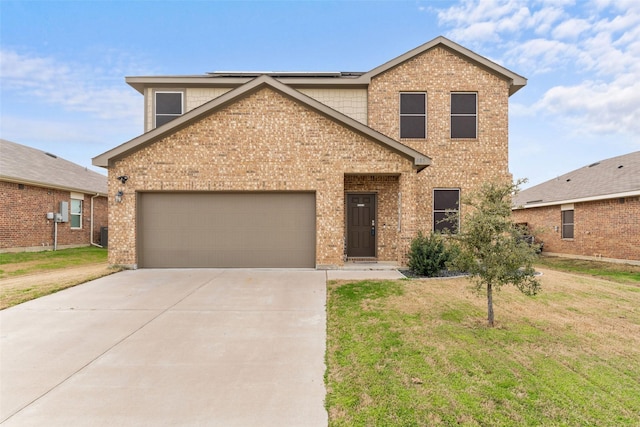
[64, 212]
[49, 215]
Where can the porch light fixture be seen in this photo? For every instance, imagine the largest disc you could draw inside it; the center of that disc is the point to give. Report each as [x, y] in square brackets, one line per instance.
[119, 195]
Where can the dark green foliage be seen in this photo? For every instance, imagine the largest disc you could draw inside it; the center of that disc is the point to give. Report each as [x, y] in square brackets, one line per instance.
[428, 255]
[492, 248]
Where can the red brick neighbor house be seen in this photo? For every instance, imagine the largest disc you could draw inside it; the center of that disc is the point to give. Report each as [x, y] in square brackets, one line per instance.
[591, 212]
[306, 169]
[47, 201]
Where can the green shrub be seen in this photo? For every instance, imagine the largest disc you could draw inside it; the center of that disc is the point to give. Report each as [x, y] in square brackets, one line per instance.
[428, 255]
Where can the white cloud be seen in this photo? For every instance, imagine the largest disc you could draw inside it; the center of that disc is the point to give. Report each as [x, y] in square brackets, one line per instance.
[596, 107]
[570, 29]
[73, 87]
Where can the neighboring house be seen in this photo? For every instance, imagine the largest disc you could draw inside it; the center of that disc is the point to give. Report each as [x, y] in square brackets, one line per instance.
[34, 183]
[287, 169]
[590, 212]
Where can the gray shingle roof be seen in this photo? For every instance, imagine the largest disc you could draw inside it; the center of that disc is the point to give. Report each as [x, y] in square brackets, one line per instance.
[19, 163]
[614, 177]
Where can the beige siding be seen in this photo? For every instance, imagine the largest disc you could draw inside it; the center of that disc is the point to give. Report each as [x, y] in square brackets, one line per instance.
[350, 102]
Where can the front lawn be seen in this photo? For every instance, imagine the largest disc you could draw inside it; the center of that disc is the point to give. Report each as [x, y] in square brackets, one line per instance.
[418, 353]
[20, 263]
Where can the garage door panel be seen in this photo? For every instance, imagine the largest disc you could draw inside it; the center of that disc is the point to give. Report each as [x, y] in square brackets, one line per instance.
[227, 230]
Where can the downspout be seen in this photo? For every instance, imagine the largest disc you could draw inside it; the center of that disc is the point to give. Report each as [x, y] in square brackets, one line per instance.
[91, 232]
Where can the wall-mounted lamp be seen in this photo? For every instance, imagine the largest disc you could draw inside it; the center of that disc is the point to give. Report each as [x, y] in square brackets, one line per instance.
[123, 179]
[119, 195]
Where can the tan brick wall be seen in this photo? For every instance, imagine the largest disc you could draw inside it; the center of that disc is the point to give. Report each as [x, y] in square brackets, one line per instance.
[262, 142]
[457, 163]
[606, 228]
[23, 223]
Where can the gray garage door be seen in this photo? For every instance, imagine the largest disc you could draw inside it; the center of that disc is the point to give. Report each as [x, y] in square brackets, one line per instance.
[226, 230]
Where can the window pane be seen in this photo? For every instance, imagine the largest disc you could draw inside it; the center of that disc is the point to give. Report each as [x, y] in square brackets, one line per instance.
[446, 200]
[160, 120]
[463, 127]
[412, 127]
[412, 103]
[567, 217]
[169, 103]
[76, 206]
[567, 231]
[440, 223]
[463, 103]
[75, 221]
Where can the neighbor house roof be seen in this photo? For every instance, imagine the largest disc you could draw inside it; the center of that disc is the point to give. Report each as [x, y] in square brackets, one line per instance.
[419, 160]
[607, 179]
[27, 165]
[330, 79]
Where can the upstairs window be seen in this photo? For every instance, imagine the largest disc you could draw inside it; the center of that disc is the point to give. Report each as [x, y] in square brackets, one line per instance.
[169, 105]
[413, 115]
[464, 115]
[446, 203]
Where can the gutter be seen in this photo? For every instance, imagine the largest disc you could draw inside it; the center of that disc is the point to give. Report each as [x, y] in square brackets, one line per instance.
[530, 205]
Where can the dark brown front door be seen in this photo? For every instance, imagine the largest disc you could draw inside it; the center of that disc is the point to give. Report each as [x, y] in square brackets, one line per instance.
[361, 226]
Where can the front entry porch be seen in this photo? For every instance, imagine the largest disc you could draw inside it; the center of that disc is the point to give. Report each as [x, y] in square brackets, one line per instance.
[372, 209]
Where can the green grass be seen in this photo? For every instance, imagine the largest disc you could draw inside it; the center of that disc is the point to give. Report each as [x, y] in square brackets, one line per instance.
[621, 273]
[21, 263]
[415, 353]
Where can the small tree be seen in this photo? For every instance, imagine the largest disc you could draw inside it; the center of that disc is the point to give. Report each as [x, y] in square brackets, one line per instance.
[492, 248]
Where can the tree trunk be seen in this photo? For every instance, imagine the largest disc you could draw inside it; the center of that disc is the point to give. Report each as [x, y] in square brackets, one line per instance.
[490, 304]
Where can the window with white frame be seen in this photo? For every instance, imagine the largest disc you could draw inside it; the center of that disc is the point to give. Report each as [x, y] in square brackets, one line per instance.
[464, 115]
[168, 106]
[446, 207]
[413, 115]
[75, 210]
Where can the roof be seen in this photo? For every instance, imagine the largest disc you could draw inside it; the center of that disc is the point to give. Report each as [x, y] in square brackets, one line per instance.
[27, 165]
[329, 79]
[607, 179]
[419, 160]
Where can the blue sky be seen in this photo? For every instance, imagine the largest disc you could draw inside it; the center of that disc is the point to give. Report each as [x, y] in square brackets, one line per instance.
[63, 63]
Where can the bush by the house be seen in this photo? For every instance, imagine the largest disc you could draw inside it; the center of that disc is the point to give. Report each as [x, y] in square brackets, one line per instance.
[429, 255]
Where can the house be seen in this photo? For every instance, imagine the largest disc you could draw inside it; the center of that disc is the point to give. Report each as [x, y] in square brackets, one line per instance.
[306, 169]
[591, 212]
[34, 187]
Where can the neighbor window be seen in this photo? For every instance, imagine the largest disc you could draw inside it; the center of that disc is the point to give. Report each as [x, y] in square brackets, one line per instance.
[446, 203]
[169, 105]
[76, 213]
[567, 224]
[464, 115]
[413, 115]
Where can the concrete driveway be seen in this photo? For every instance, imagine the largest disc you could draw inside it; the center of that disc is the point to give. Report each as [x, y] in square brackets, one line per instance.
[169, 347]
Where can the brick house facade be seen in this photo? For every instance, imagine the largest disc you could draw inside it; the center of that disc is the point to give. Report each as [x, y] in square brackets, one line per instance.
[34, 183]
[338, 137]
[592, 212]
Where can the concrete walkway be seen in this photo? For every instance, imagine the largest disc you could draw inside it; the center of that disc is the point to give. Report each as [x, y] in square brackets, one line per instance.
[169, 347]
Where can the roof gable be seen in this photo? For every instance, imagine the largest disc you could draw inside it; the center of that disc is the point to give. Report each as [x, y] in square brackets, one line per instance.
[606, 179]
[419, 160]
[27, 165]
[517, 82]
